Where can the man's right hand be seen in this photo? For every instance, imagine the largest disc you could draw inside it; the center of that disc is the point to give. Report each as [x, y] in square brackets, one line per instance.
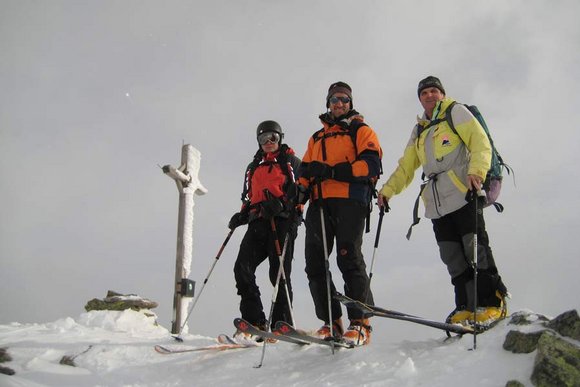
[318, 170]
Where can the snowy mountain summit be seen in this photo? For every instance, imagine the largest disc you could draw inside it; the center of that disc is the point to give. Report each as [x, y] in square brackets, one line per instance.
[116, 348]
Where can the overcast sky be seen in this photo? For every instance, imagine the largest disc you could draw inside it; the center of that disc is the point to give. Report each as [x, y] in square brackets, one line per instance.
[94, 95]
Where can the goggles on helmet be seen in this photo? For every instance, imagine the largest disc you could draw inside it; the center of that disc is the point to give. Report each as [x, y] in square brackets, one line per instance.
[273, 137]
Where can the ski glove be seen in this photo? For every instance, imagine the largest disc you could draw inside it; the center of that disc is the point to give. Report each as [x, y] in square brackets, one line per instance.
[238, 219]
[303, 195]
[343, 172]
[271, 208]
[316, 169]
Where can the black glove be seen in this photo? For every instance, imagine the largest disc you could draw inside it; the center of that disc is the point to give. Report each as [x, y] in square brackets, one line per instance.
[343, 171]
[320, 170]
[303, 194]
[271, 208]
[238, 219]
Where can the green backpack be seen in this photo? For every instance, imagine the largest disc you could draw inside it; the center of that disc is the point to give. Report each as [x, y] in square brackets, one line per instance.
[493, 180]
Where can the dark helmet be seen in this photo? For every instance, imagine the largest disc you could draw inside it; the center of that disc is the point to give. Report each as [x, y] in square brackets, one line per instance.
[269, 126]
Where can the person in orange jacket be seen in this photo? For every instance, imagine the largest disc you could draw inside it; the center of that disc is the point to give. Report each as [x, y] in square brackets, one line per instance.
[339, 169]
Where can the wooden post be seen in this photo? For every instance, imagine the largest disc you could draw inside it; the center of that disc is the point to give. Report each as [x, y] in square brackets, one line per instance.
[187, 180]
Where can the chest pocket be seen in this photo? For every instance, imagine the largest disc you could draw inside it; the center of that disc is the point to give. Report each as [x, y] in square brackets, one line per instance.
[334, 147]
[267, 176]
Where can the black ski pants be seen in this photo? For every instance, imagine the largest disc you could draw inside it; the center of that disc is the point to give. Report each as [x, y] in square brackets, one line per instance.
[344, 221]
[454, 233]
[256, 246]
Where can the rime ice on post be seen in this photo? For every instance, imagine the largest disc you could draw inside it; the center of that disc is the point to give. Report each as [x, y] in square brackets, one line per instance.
[187, 180]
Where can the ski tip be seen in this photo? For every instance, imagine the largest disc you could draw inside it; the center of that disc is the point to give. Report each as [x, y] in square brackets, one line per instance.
[241, 324]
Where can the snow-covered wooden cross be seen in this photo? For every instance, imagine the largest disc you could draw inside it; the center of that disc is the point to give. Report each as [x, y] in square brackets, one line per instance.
[188, 183]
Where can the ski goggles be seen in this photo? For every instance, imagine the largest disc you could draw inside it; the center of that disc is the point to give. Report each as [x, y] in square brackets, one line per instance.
[334, 100]
[272, 137]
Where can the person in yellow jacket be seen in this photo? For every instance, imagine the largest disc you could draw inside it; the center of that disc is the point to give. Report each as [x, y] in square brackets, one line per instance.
[454, 164]
[339, 168]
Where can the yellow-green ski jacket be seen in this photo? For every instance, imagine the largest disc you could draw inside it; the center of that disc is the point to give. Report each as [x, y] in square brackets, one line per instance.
[446, 159]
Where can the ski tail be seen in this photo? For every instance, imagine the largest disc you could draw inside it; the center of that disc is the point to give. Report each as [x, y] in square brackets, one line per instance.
[288, 330]
[167, 350]
[347, 301]
[245, 326]
[226, 339]
[381, 312]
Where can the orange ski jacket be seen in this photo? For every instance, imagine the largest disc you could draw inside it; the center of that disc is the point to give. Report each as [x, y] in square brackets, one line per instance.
[354, 146]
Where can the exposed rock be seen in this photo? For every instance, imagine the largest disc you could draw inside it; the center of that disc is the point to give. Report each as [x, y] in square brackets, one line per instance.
[4, 355]
[526, 318]
[567, 324]
[557, 362]
[520, 342]
[6, 371]
[68, 360]
[117, 301]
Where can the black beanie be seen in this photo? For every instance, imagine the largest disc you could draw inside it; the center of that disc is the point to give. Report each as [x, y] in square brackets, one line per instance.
[430, 81]
[339, 87]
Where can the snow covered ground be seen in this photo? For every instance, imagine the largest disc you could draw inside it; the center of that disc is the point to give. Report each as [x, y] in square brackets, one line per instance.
[117, 349]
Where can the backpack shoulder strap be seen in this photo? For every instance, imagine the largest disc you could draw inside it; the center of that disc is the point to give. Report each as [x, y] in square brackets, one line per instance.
[421, 128]
[352, 129]
[283, 160]
[250, 172]
[316, 135]
[450, 119]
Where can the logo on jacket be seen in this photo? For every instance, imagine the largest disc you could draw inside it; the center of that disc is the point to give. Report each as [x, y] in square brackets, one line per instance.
[371, 145]
[445, 141]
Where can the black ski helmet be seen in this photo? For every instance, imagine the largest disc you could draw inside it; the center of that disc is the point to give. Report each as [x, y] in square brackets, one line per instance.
[270, 126]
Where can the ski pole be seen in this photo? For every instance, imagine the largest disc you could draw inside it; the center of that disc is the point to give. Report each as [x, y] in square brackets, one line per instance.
[178, 337]
[276, 285]
[281, 272]
[326, 260]
[476, 196]
[277, 247]
[377, 237]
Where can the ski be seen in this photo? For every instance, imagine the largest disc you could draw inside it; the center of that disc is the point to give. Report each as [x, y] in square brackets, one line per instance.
[380, 312]
[289, 331]
[225, 339]
[245, 326]
[164, 350]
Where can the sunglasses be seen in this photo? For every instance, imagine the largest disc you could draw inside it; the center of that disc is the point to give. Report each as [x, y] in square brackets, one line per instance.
[341, 99]
[272, 137]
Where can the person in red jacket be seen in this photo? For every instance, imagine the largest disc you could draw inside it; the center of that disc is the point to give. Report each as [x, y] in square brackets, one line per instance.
[339, 169]
[267, 201]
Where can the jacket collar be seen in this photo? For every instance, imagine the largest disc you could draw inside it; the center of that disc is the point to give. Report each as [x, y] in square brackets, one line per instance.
[344, 121]
[438, 112]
